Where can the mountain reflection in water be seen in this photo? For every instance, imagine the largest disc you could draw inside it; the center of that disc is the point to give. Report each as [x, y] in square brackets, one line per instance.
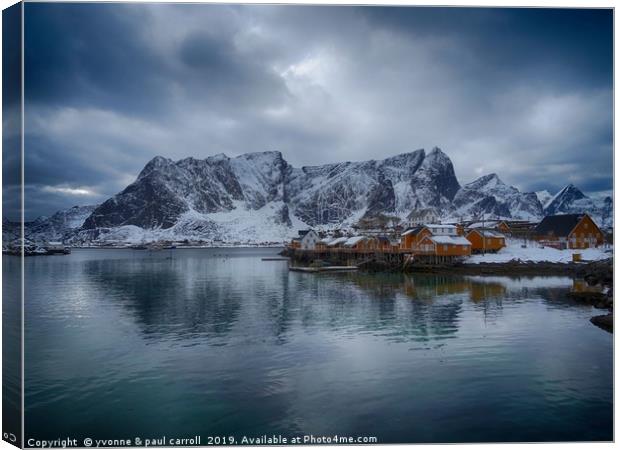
[126, 343]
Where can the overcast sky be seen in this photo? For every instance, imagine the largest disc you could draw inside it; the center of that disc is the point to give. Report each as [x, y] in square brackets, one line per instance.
[523, 93]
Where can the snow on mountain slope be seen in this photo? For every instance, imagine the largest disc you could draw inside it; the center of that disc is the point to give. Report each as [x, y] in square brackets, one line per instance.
[57, 227]
[570, 200]
[329, 195]
[259, 197]
[561, 201]
[239, 226]
[543, 197]
[339, 193]
[491, 196]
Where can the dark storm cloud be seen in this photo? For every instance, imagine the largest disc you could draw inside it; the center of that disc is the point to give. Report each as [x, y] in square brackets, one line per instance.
[516, 42]
[83, 55]
[524, 93]
[11, 98]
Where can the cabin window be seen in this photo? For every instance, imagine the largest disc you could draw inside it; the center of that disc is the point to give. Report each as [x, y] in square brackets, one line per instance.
[445, 248]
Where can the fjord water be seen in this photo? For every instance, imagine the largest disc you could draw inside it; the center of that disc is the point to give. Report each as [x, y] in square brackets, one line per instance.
[126, 343]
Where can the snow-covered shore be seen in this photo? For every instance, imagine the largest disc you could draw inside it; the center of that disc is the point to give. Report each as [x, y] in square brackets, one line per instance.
[533, 252]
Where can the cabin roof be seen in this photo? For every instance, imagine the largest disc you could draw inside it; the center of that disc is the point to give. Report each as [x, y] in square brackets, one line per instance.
[354, 240]
[560, 225]
[337, 241]
[488, 233]
[414, 230]
[454, 240]
[486, 223]
[302, 233]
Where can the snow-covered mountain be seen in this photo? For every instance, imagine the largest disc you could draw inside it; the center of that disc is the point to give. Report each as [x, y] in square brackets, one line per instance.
[544, 197]
[62, 225]
[570, 200]
[259, 197]
[490, 195]
[318, 195]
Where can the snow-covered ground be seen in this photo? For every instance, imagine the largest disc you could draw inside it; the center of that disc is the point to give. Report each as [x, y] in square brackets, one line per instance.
[534, 253]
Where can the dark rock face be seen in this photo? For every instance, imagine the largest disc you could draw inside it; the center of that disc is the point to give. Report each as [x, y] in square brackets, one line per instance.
[283, 217]
[437, 171]
[381, 198]
[562, 201]
[605, 321]
[147, 203]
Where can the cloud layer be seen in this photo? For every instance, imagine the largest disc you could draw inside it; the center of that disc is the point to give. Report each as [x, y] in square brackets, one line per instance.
[524, 93]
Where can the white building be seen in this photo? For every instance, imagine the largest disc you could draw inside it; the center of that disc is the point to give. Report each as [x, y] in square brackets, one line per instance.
[442, 229]
[308, 239]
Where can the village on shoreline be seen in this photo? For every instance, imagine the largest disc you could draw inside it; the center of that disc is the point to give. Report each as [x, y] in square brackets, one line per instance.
[558, 239]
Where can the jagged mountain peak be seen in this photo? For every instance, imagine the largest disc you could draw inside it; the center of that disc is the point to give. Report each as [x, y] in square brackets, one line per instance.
[157, 163]
[572, 190]
[266, 155]
[490, 195]
[437, 154]
[207, 198]
[571, 200]
[489, 181]
[543, 197]
[218, 157]
[561, 201]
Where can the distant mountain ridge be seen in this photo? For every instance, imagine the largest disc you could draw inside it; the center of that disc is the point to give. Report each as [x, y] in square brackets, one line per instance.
[570, 200]
[259, 197]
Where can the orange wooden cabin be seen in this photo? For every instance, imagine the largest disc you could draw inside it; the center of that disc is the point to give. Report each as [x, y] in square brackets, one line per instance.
[411, 238]
[485, 241]
[444, 246]
[503, 227]
[576, 231]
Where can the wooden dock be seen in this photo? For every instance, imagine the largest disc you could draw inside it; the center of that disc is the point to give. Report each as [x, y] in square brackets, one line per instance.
[323, 269]
[344, 257]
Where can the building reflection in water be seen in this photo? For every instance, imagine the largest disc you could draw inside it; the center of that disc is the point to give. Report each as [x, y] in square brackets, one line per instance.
[211, 300]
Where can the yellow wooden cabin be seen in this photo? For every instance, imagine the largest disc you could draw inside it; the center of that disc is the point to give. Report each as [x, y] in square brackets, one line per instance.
[486, 241]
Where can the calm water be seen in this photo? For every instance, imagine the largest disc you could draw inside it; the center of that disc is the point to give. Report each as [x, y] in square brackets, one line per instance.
[217, 342]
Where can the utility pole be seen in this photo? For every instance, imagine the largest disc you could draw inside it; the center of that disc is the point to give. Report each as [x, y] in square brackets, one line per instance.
[484, 239]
